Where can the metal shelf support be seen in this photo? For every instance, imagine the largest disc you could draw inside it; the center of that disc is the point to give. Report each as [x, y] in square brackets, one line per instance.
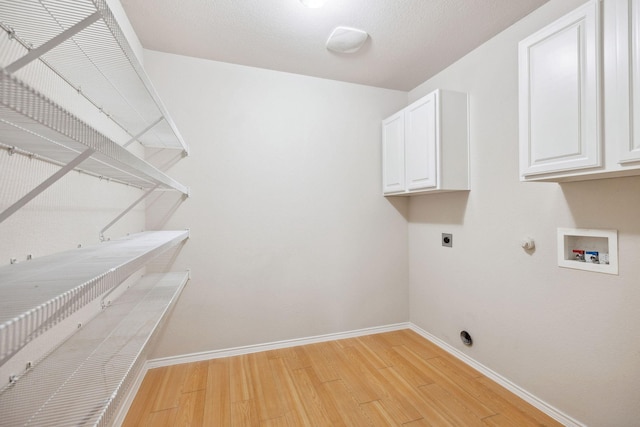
[51, 44]
[145, 130]
[126, 211]
[46, 184]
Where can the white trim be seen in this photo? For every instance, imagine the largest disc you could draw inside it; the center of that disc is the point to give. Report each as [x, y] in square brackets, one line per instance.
[504, 382]
[236, 351]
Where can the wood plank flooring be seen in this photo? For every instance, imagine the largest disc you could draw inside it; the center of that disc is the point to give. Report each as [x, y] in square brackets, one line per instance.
[389, 379]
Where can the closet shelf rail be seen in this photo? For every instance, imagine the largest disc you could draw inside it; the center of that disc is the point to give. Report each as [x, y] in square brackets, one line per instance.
[36, 295]
[85, 379]
[83, 47]
[36, 124]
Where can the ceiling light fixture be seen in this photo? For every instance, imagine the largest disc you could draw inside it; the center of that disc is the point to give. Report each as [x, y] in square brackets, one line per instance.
[313, 4]
[346, 40]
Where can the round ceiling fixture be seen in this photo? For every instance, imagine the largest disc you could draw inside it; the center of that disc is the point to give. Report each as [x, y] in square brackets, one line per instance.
[346, 40]
[313, 4]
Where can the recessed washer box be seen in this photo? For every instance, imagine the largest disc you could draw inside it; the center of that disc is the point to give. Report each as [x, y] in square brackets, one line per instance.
[588, 249]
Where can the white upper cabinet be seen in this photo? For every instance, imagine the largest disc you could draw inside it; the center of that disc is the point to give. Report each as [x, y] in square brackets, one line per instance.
[425, 146]
[560, 114]
[580, 95]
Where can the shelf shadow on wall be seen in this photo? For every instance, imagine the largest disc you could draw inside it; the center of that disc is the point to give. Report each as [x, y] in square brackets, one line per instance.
[439, 208]
[164, 263]
[611, 203]
[163, 205]
[163, 159]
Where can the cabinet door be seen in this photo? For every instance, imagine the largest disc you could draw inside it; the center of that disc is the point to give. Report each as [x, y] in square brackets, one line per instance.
[628, 27]
[559, 72]
[421, 148]
[393, 154]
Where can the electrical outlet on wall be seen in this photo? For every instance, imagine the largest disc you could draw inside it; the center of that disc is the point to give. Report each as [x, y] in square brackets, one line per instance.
[447, 239]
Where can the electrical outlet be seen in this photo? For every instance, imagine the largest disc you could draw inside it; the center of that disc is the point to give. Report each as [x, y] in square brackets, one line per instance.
[447, 239]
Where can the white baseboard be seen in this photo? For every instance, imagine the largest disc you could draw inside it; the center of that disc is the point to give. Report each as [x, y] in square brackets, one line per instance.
[543, 406]
[236, 351]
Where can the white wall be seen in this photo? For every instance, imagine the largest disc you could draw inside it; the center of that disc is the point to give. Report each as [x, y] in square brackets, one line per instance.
[291, 236]
[569, 337]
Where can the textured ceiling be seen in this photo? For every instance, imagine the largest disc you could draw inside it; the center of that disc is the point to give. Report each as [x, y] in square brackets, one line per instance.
[410, 40]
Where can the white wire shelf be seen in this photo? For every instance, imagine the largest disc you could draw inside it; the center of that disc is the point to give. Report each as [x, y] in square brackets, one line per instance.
[97, 62]
[35, 295]
[33, 123]
[84, 380]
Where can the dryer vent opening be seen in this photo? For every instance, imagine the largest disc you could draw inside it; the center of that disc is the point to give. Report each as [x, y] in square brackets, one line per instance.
[466, 338]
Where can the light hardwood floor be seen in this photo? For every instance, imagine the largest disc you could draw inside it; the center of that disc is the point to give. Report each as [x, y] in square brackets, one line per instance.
[389, 379]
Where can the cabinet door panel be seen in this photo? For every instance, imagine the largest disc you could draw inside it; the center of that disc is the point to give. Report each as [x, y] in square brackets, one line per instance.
[559, 95]
[628, 21]
[393, 154]
[421, 144]
[554, 97]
